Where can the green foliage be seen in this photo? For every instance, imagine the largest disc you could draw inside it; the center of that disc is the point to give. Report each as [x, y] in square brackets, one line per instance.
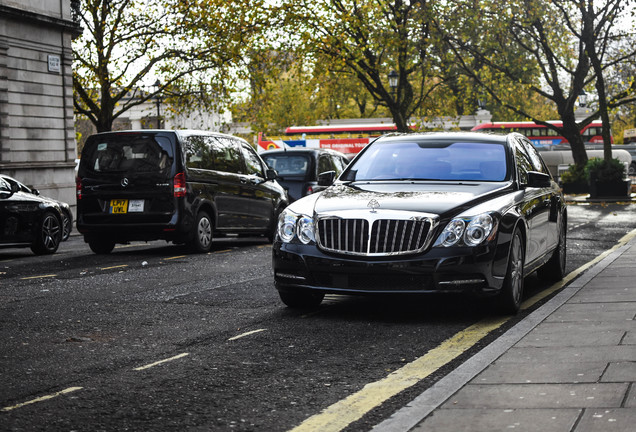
[574, 174]
[604, 170]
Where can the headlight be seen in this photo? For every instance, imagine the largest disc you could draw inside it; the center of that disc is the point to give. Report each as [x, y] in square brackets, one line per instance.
[467, 231]
[287, 226]
[305, 229]
[452, 233]
[479, 228]
[291, 225]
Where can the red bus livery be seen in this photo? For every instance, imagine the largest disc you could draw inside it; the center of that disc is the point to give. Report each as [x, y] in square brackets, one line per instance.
[540, 135]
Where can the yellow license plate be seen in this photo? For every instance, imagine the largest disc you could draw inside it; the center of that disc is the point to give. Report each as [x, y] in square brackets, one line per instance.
[118, 206]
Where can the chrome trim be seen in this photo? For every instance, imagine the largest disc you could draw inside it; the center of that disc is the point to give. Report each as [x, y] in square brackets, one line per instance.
[382, 233]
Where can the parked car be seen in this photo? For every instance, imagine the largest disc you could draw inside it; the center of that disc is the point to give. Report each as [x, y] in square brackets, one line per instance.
[179, 186]
[424, 213]
[298, 168]
[67, 214]
[28, 220]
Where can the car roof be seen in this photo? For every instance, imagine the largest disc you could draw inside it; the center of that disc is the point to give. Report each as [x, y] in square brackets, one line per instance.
[484, 137]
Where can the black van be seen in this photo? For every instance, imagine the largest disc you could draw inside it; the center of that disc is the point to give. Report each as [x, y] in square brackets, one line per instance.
[179, 186]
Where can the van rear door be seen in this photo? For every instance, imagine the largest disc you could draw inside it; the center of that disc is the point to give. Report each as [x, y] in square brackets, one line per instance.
[127, 178]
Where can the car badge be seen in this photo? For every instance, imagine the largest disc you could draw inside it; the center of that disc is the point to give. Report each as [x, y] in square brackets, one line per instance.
[124, 182]
[373, 205]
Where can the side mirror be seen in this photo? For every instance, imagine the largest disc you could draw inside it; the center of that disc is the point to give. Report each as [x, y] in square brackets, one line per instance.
[326, 178]
[538, 180]
[34, 191]
[270, 174]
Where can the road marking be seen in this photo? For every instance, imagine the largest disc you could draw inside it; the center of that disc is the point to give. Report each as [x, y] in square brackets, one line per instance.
[38, 277]
[114, 267]
[161, 362]
[246, 334]
[175, 257]
[221, 251]
[343, 413]
[43, 398]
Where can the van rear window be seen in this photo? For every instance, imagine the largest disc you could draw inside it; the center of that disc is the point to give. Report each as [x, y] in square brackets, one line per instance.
[129, 153]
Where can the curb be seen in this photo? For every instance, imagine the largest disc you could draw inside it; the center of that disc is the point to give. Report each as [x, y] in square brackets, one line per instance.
[419, 408]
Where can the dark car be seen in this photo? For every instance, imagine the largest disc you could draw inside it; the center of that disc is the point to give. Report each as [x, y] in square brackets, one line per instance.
[179, 186]
[298, 169]
[28, 220]
[67, 214]
[424, 213]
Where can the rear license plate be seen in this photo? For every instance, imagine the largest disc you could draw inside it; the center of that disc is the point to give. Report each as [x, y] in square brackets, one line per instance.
[121, 206]
[136, 206]
[118, 206]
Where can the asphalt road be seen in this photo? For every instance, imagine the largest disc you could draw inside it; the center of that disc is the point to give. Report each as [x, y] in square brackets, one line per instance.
[151, 337]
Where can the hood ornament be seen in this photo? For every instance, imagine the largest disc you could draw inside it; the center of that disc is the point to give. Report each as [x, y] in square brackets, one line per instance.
[373, 205]
[124, 182]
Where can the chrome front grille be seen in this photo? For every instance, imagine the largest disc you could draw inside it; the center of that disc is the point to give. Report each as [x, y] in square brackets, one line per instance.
[373, 238]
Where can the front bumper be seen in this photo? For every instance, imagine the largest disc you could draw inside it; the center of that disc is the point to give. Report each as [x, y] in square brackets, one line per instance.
[304, 267]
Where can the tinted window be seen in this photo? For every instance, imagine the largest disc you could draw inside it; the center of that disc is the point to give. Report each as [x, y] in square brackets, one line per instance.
[288, 163]
[523, 164]
[535, 159]
[252, 162]
[4, 186]
[199, 153]
[430, 160]
[324, 164]
[129, 153]
[226, 155]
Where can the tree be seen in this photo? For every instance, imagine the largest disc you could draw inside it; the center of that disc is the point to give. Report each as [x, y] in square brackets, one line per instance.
[552, 38]
[184, 46]
[369, 39]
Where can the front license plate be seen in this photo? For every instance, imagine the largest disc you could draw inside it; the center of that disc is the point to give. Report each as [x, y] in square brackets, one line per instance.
[118, 206]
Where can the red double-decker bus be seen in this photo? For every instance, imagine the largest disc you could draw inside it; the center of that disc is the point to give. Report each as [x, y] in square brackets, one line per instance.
[540, 135]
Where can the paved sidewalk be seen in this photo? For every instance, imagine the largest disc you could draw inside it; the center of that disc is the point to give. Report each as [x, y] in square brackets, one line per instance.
[570, 366]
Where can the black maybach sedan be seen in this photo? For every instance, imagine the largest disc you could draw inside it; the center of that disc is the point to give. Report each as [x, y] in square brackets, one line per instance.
[426, 213]
[28, 220]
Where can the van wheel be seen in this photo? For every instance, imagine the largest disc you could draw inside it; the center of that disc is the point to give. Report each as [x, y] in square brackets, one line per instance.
[101, 246]
[201, 241]
[49, 235]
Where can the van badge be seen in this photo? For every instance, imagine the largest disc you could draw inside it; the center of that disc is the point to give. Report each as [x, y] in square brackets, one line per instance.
[124, 182]
[373, 205]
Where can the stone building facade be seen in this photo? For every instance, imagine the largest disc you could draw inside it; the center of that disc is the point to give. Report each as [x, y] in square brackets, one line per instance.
[37, 135]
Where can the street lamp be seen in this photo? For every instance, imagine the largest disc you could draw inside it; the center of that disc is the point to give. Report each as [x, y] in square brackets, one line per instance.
[582, 98]
[157, 85]
[393, 82]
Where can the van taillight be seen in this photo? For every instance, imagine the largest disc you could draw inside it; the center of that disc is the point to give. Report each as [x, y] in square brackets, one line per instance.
[179, 185]
[78, 187]
[309, 190]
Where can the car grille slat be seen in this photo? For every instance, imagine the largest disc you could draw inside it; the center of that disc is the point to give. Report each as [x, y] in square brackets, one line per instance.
[378, 237]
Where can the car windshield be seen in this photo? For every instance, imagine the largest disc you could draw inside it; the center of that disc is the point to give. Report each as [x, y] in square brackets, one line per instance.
[288, 164]
[429, 160]
[129, 153]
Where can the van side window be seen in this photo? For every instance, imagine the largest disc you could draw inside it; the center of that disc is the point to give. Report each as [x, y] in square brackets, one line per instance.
[199, 153]
[226, 155]
[252, 162]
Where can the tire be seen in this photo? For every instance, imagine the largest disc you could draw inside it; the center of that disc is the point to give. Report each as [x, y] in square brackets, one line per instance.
[631, 171]
[554, 269]
[511, 294]
[201, 238]
[49, 235]
[101, 246]
[67, 227]
[301, 299]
